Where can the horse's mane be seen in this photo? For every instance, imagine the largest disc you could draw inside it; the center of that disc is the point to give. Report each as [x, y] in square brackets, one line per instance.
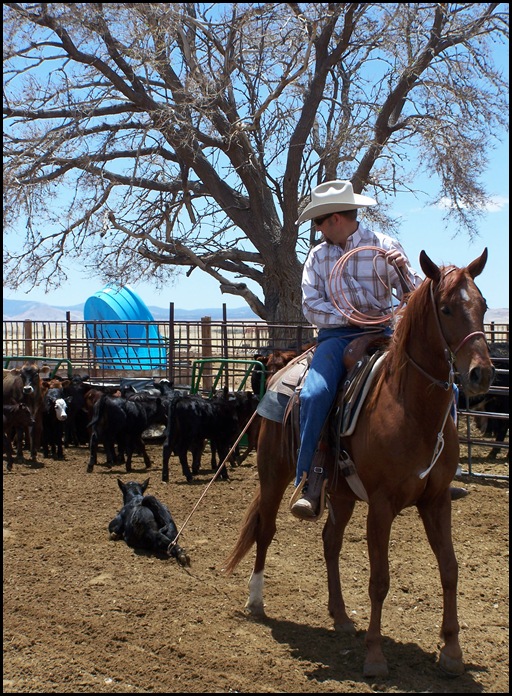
[411, 321]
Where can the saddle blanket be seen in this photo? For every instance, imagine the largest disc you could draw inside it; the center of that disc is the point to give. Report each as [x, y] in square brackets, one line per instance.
[290, 379]
[282, 386]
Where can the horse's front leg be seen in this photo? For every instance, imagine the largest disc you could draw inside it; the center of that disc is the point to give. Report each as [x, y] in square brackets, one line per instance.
[378, 529]
[341, 510]
[436, 519]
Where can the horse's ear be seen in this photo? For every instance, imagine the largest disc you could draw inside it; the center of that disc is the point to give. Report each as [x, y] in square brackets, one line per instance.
[477, 266]
[145, 485]
[429, 268]
[120, 484]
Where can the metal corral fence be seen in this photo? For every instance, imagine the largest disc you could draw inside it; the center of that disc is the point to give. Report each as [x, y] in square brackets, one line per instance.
[179, 351]
[200, 356]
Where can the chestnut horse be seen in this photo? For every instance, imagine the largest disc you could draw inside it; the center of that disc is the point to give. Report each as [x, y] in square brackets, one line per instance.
[405, 448]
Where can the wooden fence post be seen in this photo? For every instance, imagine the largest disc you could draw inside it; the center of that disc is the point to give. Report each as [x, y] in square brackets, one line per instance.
[27, 336]
[206, 350]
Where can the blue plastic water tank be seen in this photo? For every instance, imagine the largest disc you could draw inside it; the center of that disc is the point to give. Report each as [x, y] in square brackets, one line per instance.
[119, 345]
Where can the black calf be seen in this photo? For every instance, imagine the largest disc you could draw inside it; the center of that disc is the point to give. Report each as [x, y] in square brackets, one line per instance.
[146, 523]
[54, 418]
[16, 417]
[192, 420]
[122, 422]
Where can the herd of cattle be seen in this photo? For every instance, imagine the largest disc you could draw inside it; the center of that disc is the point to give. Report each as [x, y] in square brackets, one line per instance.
[48, 415]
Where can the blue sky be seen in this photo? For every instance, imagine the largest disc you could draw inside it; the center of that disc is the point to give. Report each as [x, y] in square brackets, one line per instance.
[422, 227]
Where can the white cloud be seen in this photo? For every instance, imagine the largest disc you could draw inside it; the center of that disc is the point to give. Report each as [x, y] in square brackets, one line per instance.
[494, 204]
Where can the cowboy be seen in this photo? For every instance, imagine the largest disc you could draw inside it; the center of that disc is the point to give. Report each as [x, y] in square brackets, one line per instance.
[333, 209]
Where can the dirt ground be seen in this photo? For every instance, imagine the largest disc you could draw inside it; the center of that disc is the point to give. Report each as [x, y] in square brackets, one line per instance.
[83, 614]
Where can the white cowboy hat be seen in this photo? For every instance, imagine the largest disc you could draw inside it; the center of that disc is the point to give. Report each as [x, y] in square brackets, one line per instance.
[333, 197]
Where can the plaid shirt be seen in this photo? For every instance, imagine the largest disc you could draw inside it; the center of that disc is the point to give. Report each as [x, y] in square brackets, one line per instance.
[360, 283]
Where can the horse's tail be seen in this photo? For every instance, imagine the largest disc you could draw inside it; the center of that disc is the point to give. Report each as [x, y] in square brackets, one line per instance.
[247, 536]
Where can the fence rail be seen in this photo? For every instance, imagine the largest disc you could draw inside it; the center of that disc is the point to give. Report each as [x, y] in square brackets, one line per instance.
[170, 349]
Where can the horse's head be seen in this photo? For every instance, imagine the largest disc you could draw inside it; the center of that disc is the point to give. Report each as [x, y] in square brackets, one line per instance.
[459, 313]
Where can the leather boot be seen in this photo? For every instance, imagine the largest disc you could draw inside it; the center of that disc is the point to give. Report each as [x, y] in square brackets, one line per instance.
[308, 505]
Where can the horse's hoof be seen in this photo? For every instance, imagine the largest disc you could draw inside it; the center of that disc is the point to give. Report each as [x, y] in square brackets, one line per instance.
[89, 469]
[375, 669]
[450, 666]
[346, 627]
[257, 610]
[456, 493]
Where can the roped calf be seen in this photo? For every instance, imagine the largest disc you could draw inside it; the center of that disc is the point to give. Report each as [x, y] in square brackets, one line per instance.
[16, 416]
[146, 523]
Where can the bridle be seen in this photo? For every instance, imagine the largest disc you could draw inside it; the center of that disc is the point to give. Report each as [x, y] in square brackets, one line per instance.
[450, 354]
[450, 358]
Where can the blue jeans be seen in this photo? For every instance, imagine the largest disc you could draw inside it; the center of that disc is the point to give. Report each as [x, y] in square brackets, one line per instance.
[320, 388]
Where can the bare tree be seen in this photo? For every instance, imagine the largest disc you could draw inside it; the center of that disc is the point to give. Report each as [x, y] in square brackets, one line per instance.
[145, 139]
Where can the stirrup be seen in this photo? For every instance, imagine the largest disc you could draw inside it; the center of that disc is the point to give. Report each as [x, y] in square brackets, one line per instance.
[297, 494]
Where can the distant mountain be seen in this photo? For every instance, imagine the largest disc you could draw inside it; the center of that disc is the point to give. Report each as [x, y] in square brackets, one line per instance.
[17, 310]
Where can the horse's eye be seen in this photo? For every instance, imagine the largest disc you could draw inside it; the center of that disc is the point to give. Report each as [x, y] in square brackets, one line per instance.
[445, 309]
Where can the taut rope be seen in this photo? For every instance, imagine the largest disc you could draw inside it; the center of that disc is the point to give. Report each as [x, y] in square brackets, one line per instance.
[173, 542]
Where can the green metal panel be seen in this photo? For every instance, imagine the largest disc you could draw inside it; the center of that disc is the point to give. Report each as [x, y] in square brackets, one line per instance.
[199, 365]
[37, 358]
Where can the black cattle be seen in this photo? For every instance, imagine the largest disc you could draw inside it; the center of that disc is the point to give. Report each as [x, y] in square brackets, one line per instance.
[24, 385]
[191, 421]
[75, 427]
[122, 421]
[146, 523]
[54, 417]
[245, 405]
[16, 416]
[128, 387]
[495, 401]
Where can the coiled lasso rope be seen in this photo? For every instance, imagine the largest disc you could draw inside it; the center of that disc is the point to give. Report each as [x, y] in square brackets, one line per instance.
[342, 304]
